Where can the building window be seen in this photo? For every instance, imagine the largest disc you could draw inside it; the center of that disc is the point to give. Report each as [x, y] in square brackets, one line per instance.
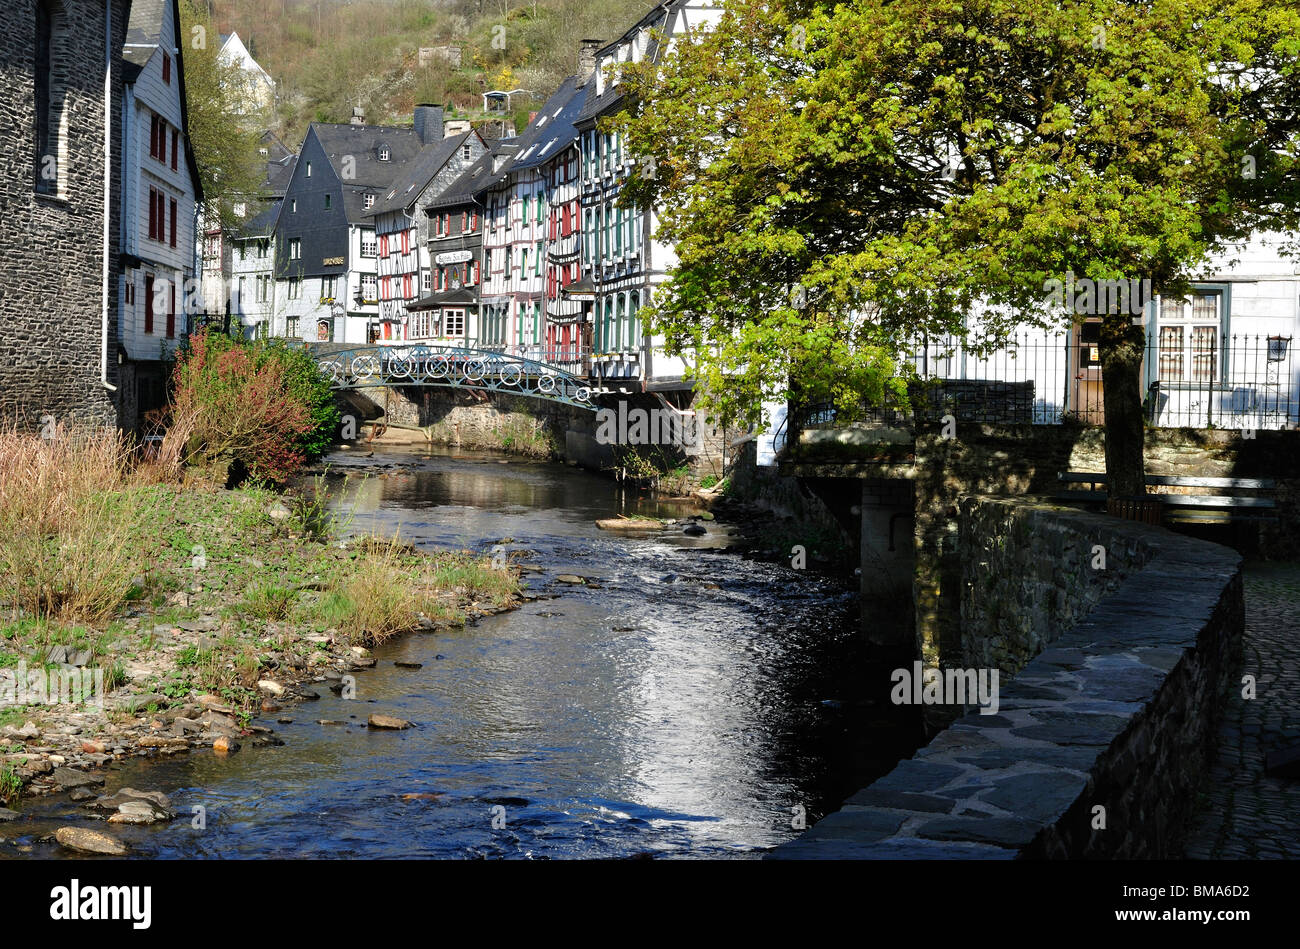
[49, 101]
[454, 323]
[263, 247]
[308, 169]
[148, 303]
[369, 288]
[329, 286]
[295, 248]
[176, 137]
[328, 201]
[172, 208]
[369, 244]
[171, 309]
[295, 288]
[466, 151]
[383, 153]
[424, 281]
[368, 201]
[167, 69]
[1189, 332]
[293, 205]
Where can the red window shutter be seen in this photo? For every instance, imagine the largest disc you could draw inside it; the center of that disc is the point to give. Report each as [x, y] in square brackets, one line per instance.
[148, 303]
[464, 219]
[473, 221]
[175, 148]
[171, 313]
[406, 242]
[153, 216]
[167, 69]
[476, 273]
[173, 226]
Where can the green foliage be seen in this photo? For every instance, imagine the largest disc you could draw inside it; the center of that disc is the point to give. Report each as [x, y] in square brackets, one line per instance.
[224, 150]
[305, 383]
[840, 178]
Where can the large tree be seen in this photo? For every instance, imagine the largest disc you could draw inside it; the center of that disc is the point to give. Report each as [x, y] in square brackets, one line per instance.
[842, 178]
[224, 131]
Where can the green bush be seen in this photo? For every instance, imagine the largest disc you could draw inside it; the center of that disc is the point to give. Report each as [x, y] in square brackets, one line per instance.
[305, 382]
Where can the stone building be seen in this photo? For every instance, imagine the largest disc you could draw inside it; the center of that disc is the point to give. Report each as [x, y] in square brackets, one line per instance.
[59, 197]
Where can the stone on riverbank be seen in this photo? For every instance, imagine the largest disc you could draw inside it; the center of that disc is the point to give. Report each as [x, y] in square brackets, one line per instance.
[90, 841]
[225, 745]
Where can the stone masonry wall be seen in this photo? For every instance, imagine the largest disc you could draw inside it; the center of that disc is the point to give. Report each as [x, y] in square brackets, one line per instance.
[50, 295]
[1030, 573]
[1099, 740]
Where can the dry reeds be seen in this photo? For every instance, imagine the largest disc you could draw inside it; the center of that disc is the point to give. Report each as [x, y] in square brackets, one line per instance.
[69, 524]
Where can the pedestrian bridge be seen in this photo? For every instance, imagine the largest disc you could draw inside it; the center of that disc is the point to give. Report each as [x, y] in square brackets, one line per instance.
[451, 367]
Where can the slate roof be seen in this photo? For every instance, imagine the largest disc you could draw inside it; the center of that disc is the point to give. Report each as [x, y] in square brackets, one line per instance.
[477, 178]
[457, 297]
[552, 128]
[278, 174]
[366, 173]
[260, 225]
[143, 30]
[419, 173]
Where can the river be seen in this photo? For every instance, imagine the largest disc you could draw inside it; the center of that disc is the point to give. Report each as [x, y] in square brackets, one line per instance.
[687, 703]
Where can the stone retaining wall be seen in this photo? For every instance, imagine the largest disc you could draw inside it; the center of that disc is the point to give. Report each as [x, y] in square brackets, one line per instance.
[1101, 737]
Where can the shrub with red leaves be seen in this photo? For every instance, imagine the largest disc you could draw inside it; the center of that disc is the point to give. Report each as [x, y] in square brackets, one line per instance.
[244, 411]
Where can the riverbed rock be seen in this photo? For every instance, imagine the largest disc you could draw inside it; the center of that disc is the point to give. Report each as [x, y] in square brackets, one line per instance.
[387, 721]
[694, 530]
[139, 812]
[81, 794]
[278, 512]
[403, 664]
[90, 841]
[270, 685]
[29, 730]
[225, 745]
[94, 747]
[68, 778]
[7, 815]
[114, 802]
[569, 578]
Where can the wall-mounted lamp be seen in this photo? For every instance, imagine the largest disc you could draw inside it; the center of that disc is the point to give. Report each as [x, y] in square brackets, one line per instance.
[1277, 348]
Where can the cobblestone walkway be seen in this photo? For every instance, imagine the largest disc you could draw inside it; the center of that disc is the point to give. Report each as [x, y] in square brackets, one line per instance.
[1243, 813]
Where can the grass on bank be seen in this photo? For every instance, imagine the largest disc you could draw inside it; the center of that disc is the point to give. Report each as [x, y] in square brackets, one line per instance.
[102, 555]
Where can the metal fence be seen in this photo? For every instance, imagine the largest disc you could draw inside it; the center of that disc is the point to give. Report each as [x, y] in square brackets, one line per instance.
[1191, 377]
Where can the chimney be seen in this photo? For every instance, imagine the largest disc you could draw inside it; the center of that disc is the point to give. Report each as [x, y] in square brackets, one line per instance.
[358, 116]
[428, 123]
[587, 58]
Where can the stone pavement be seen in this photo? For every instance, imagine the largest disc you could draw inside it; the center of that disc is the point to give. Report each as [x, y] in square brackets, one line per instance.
[1242, 813]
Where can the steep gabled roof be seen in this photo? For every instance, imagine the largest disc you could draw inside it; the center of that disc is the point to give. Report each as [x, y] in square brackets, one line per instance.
[551, 129]
[420, 172]
[352, 151]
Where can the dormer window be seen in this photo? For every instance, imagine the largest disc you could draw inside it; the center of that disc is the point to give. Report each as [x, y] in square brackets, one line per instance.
[383, 153]
[368, 201]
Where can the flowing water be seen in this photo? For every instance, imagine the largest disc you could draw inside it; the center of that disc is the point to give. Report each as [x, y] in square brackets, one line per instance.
[686, 703]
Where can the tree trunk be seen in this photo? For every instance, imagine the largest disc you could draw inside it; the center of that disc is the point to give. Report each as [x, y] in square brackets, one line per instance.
[1121, 345]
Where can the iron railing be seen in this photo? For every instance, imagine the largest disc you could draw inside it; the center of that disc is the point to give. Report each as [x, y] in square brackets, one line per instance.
[1190, 377]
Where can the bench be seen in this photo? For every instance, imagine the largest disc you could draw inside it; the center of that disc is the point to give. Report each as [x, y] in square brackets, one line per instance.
[1186, 508]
